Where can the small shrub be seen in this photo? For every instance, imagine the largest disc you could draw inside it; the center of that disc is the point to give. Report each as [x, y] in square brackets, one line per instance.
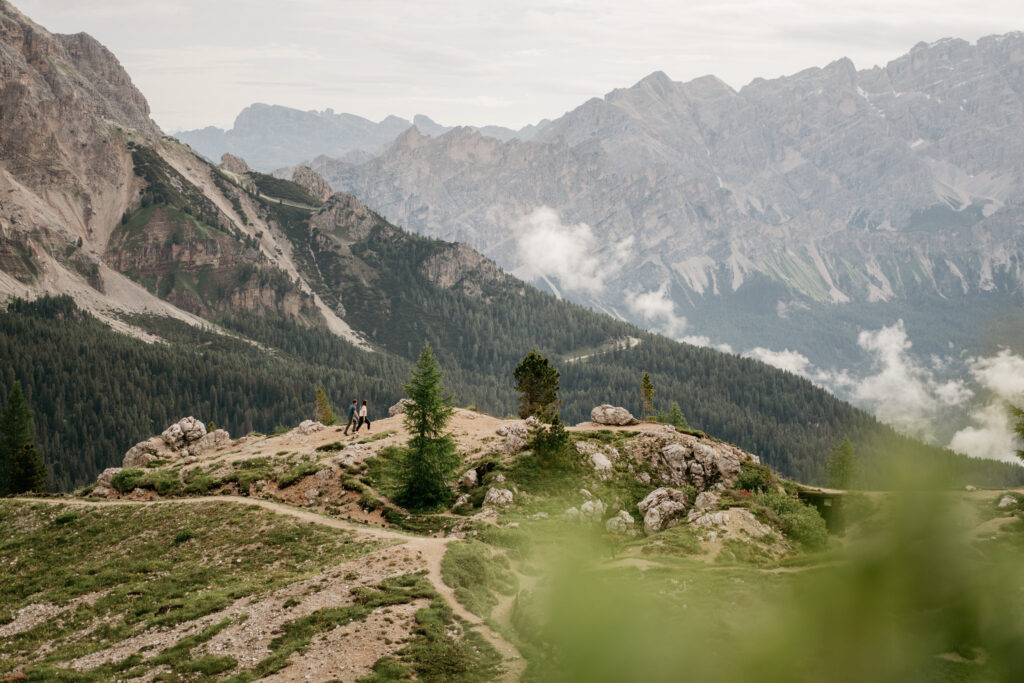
[754, 477]
[164, 482]
[182, 536]
[198, 482]
[126, 480]
[66, 517]
[333, 446]
[800, 522]
[289, 603]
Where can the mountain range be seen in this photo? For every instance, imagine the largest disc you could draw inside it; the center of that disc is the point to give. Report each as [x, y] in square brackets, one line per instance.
[272, 136]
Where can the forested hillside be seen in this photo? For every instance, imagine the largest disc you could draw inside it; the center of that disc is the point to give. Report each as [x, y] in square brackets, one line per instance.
[96, 392]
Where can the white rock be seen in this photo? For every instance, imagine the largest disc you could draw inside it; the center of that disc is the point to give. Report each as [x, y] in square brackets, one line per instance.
[308, 427]
[601, 464]
[970, 488]
[593, 511]
[106, 477]
[706, 501]
[498, 478]
[611, 415]
[501, 498]
[622, 523]
[101, 492]
[326, 474]
[1007, 502]
[662, 508]
[461, 500]
[531, 422]
[539, 515]
[586, 494]
[311, 495]
[572, 515]
[399, 408]
[468, 480]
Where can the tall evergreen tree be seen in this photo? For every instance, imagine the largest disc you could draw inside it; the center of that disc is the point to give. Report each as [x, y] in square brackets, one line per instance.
[28, 473]
[537, 384]
[324, 411]
[15, 433]
[432, 458]
[843, 468]
[647, 397]
[1018, 428]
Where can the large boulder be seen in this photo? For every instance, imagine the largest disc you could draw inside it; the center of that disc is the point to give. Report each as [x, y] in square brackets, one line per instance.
[145, 452]
[593, 511]
[309, 427]
[399, 408]
[500, 498]
[662, 508]
[611, 415]
[680, 460]
[211, 441]
[106, 478]
[621, 524]
[183, 432]
[469, 480]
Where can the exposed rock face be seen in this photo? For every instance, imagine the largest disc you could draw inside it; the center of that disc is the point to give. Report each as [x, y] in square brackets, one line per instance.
[309, 427]
[233, 164]
[515, 437]
[621, 523]
[611, 415]
[683, 460]
[501, 498]
[662, 508]
[829, 185]
[184, 440]
[313, 182]
[460, 266]
[273, 136]
[468, 480]
[399, 408]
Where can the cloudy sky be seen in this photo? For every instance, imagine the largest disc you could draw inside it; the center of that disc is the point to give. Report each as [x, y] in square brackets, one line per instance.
[199, 62]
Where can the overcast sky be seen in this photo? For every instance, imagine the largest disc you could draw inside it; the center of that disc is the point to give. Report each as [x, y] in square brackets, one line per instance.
[478, 62]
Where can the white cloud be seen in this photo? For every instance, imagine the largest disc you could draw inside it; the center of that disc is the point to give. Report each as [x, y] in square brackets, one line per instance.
[658, 308]
[701, 340]
[799, 364]
[903, 392]
[991, 433]
[568, 254]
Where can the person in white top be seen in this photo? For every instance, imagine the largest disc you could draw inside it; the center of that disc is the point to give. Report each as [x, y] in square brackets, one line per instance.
[363, 419]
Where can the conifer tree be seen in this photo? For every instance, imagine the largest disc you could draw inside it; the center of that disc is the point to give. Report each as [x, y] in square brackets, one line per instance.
[15, 433]
[537, 384]
[28, 473]
[1018, 428]
[432, 458]
[842, 466]
[676, 417]
[324, 411]
[647, 396]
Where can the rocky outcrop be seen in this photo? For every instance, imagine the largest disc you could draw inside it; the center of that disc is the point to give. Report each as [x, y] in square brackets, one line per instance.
[663, 508]
[399, 408]
[233, 164]
[499, 498]
[346, 217]
[680, 460]
[185, 439]
[622, 524]
[459, 266]
[611, 415]
[313, 183]
[309, 427]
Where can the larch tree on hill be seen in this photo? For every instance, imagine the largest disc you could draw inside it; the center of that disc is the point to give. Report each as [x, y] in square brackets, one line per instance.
[537, 384]
[432, 457]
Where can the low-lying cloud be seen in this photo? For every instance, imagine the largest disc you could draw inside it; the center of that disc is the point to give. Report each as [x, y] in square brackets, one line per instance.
[567, 254]
[657, 308]
[991, 434]
[905, 393]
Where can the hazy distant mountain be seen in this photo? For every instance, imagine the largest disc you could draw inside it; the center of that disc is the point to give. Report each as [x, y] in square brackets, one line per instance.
[823, 194]
[272, 136]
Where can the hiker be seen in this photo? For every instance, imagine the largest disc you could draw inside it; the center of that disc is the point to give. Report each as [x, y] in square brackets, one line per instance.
[353, 411]
[362, 418]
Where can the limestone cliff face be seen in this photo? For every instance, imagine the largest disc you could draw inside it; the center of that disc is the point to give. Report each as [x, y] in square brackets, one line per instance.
[314, 183]
[835, 184]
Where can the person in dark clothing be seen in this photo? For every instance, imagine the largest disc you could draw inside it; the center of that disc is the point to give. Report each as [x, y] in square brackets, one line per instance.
[353, 416]
[363, 419]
